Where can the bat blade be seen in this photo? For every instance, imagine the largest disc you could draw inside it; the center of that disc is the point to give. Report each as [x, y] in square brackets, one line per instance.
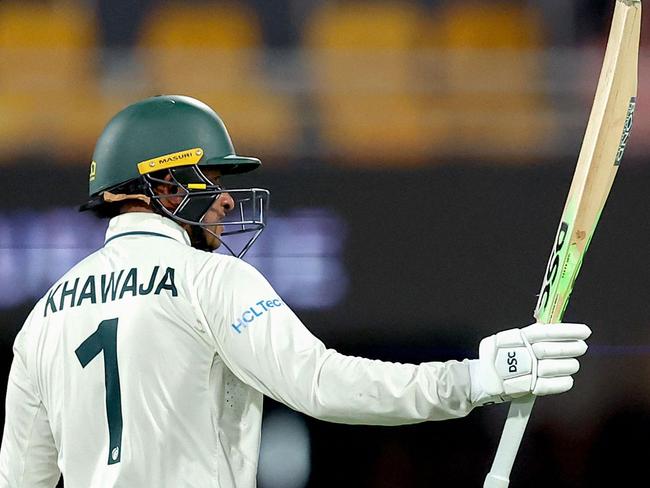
[602, 149]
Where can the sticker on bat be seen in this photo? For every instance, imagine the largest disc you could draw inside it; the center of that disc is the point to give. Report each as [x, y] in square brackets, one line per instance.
[627, 127]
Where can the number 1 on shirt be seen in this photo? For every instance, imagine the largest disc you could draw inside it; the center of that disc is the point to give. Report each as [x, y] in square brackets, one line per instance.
[105, 339]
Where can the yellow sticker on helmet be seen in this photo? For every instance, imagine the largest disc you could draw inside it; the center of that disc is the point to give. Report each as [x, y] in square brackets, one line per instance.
[181, 158]
[93, 171]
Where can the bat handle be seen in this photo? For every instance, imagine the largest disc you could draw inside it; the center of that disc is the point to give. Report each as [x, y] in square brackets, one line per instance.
[513, 432]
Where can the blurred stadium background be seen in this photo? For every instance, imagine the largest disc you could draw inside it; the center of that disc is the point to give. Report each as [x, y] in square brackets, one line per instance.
[418, 155]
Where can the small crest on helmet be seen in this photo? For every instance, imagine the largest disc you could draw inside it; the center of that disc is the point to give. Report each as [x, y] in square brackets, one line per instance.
[93, 171]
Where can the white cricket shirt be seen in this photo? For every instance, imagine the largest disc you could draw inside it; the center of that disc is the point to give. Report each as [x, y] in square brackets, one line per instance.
[146, 364]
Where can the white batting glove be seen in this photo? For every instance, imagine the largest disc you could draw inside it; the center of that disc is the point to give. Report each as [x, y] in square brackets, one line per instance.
[537, 359]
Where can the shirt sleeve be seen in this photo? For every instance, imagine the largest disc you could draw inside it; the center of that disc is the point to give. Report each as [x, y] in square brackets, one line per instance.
[28, 457]
[266, 345]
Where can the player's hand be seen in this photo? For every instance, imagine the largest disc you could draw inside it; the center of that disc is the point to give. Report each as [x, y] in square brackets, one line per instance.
[537, 359]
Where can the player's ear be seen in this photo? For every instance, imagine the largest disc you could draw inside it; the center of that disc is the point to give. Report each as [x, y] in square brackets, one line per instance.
[163, 189]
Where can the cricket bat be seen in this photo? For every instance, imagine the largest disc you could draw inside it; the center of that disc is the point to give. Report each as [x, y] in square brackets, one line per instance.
[602, 149]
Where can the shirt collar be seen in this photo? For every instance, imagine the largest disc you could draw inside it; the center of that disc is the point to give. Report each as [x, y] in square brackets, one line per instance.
[145, 223]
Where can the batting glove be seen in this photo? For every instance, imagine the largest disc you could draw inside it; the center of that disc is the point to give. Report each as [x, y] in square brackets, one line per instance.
[537, 359]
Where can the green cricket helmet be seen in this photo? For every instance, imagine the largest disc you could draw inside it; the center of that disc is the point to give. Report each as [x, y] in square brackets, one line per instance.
[175, 135]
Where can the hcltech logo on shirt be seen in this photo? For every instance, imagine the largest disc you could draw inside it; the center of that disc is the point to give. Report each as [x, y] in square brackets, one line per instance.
[109, 287]
[251, 313]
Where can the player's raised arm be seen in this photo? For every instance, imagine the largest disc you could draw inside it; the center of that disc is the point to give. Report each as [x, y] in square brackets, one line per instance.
[265, 344]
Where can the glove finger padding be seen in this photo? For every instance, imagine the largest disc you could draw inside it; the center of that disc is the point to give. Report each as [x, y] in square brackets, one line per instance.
[552, 386]
[558, 350]
[555, 332]
[552, 368]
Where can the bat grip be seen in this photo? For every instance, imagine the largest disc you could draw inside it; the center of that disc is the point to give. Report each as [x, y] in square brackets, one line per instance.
[513, 432]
